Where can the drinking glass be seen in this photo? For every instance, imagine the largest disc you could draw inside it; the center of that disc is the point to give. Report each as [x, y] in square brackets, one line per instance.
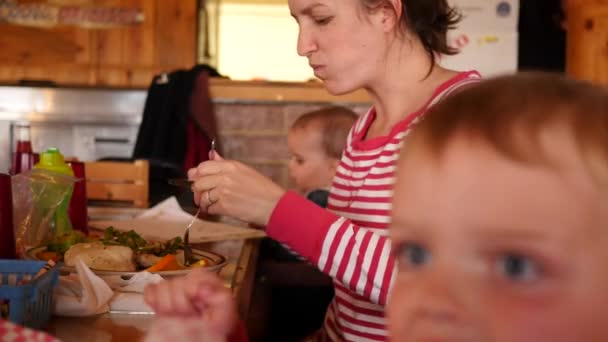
[23, 156]
[7, 232]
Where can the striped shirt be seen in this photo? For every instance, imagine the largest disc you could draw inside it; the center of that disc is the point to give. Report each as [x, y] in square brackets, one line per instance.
[349, 240]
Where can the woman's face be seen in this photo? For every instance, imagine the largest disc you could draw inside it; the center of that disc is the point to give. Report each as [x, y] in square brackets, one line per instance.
[343, 42]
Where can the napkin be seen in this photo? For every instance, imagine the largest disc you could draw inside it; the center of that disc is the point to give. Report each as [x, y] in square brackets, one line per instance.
[128, 294]
[167, 210]
[81, 294]
[86, 294]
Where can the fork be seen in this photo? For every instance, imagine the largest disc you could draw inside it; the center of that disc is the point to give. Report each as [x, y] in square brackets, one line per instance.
[213, 146]
[186, 183]
[187, 248]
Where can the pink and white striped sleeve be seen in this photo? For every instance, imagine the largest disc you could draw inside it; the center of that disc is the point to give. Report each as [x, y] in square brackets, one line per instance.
[356, 257]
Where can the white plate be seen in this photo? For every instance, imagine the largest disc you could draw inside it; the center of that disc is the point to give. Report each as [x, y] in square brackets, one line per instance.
[215, 262]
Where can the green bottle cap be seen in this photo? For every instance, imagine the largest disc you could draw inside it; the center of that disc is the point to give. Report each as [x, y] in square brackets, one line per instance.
[53, 160]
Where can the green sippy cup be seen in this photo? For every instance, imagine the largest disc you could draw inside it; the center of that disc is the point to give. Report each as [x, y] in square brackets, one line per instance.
[52, 160]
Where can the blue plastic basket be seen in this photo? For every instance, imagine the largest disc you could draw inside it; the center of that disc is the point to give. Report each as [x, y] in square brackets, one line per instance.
[30, 304]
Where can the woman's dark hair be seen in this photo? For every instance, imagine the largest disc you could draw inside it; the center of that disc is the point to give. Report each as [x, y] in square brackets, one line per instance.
[429, 20]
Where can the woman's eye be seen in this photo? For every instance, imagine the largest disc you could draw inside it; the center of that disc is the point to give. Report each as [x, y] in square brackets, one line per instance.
[414, 254]
[517, 267]
[323, 20]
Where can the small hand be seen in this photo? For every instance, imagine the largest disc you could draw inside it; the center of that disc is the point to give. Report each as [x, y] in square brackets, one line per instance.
[199, 295]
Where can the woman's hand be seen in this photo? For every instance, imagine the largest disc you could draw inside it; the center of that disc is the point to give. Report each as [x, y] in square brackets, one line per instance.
[198, 297]
[231, 188]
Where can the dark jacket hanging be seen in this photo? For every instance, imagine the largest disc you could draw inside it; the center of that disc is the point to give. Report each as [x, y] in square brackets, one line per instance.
[177, 125]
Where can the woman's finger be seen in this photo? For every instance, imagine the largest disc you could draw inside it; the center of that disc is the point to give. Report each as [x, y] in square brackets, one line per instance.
[193, 173]
[210, 167]
[206, 183]
[214, 155]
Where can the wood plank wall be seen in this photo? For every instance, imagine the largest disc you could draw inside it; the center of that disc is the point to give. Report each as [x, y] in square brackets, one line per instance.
[115, 57]
[587, 51]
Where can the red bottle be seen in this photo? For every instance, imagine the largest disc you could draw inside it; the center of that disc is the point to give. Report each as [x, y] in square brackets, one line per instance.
[78, 203]
[23, 157]
[7, 233]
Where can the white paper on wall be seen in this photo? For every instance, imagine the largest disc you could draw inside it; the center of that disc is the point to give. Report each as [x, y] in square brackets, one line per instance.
[487, 37]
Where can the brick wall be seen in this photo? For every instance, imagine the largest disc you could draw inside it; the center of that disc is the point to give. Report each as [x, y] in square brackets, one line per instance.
[256, 133]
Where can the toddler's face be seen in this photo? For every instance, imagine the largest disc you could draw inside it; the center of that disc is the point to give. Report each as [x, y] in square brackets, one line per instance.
[309, 167]
[490, 249]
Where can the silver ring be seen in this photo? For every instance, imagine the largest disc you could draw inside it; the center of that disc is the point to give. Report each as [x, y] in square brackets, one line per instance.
[209, 198]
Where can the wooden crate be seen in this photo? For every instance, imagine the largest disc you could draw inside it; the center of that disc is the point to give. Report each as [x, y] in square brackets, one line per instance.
[127, 56]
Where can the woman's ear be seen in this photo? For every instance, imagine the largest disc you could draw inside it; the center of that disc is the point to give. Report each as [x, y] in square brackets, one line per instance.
[391, 14]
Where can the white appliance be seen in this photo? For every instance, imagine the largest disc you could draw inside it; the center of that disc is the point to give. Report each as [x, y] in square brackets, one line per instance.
[487, 37]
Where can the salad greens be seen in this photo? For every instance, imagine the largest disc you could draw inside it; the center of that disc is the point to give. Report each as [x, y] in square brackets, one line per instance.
[111, 236]
[138, 244]
[62, 243]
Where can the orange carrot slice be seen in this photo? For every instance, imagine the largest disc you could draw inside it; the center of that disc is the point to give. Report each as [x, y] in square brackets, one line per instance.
[163, 263]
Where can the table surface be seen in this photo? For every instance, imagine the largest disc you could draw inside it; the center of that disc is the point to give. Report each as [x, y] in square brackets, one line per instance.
[238, 275]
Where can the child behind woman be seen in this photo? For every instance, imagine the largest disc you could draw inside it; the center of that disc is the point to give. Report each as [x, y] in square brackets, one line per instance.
[316, 141]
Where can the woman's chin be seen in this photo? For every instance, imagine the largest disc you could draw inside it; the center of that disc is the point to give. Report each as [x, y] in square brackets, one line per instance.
[339, 88]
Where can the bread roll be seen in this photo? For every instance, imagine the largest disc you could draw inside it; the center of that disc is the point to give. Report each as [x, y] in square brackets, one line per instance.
[101, 257]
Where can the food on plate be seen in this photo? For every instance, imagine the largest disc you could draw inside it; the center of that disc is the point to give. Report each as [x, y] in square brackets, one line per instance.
[167, 262]
[62, 243]
[118, 251]
[146, 260]
[102, 257]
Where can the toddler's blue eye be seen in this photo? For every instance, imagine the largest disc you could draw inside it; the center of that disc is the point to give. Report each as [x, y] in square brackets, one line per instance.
[415, 254]
[517, 267]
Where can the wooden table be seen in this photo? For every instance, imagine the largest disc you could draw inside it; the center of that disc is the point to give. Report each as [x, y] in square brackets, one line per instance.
[238, 275]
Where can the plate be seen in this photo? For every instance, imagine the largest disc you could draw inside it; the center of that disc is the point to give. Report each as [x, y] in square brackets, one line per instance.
[215, 262]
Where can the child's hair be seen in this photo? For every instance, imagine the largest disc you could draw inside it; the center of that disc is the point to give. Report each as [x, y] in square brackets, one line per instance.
[334, 123]
[501, 112]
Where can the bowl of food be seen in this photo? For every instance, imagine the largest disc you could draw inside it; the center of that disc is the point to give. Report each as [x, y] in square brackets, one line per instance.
[124, 253]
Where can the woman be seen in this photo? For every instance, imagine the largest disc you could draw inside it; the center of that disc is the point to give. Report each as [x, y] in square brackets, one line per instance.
[389, 48]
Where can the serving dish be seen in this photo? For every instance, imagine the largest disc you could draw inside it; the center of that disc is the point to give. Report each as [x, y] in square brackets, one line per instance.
[214, 263]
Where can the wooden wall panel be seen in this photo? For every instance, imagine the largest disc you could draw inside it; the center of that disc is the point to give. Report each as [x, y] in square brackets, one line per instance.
[587, 51]
[127, 56]
[173, 36]
[140, 42]
[28, 45]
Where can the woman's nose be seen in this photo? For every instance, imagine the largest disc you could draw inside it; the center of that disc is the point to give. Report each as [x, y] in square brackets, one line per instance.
[306, 44]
